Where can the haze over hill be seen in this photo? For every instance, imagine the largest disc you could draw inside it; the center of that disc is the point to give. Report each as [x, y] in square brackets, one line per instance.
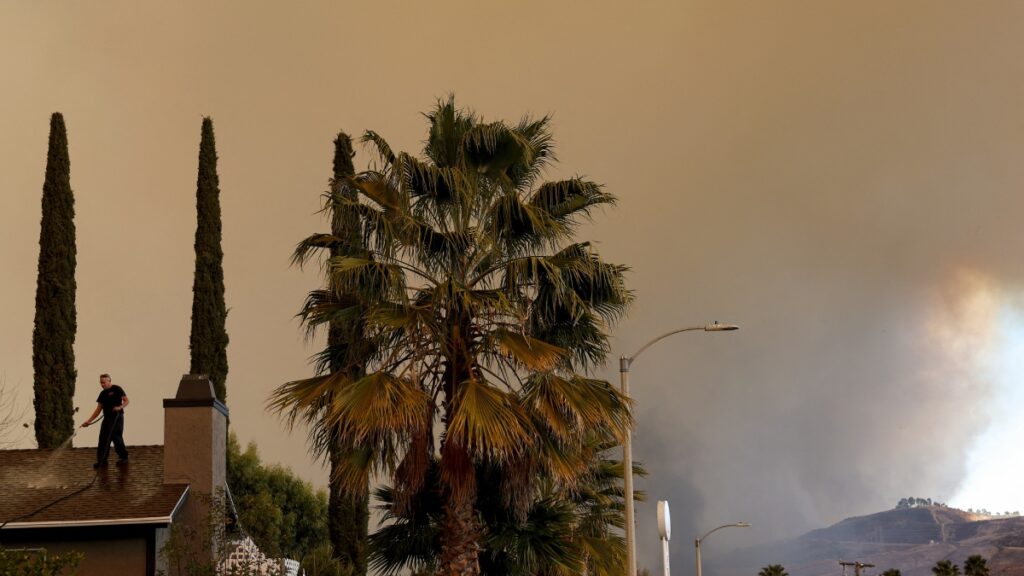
[910, 539]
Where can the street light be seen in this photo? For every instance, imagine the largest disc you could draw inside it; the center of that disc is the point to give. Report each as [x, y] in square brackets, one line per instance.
[627, 446]
[697, 542]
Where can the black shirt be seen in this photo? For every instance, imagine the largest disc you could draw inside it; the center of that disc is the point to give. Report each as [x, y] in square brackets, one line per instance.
[110, 398]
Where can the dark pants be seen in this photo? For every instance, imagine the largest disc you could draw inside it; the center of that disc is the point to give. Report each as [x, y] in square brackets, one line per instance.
[112, 430]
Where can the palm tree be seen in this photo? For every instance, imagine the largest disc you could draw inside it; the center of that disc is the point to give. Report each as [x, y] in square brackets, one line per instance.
[976, 565]
[484, 318]
[773, 570]
[945, 568]
[564, 531]
[321, 562]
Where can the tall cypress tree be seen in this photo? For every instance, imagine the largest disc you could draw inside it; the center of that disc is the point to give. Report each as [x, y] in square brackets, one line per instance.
[209, 338]
[348, 514]
[344, 359]
[53, 338]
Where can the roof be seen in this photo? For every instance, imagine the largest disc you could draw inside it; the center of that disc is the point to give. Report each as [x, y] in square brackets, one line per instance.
[120, 494]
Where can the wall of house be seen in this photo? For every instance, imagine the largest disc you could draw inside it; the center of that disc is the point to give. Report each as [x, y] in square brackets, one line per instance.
[108, 550]
[107, 557]
[160, 537]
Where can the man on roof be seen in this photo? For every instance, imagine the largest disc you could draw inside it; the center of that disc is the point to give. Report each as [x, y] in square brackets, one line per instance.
[111, 402]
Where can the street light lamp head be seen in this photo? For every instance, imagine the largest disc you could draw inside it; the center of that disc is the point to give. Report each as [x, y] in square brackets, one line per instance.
[709, 533]
[716, 327]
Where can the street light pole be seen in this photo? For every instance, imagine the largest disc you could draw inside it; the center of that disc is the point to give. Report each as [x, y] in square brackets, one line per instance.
[697, 542]
[627, 446]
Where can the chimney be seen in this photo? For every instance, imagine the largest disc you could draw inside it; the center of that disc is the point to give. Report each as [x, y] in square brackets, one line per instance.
[195, 436]
[195, 446]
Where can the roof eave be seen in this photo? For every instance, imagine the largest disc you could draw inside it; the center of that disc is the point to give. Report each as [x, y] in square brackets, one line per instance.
[152, 520]
[181, 501]
[147, 521]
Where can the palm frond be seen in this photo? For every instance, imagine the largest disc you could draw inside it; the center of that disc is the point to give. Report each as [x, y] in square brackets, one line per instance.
[410, 537]
[376, 405]
[563, 458]
[448, 127]
[439, 193]
[439, 251]
[301, 400]
[377, 187]
[534, 354]
[577, 405]
[487, 422]
[566, 199]
[606, 554]
[575, 287]
[325, 306]
[524, 174]
[583, 337]
[310, 245]
[541, 544]
[381, 146]
[367, 280]
[493, 148]
[516, 226]
[351, 472]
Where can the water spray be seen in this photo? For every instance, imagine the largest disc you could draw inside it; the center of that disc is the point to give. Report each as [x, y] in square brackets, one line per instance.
[75, 492]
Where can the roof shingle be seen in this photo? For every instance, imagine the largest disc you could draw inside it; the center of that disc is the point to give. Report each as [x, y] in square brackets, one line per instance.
[120, 494]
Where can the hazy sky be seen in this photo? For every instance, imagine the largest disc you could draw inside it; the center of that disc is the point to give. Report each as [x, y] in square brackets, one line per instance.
[841, 179]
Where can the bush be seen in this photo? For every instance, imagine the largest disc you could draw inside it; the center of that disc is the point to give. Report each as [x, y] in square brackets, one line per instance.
[22, 562]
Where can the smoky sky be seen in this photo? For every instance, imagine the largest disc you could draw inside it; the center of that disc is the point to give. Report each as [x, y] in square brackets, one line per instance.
[843, 181]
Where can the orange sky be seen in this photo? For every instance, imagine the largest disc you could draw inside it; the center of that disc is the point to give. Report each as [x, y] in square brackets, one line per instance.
[813, 171]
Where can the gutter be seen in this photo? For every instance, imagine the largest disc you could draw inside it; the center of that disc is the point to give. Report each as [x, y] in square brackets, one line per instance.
[149, 520]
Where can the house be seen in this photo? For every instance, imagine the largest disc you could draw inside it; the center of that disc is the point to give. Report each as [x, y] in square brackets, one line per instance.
[120, 517]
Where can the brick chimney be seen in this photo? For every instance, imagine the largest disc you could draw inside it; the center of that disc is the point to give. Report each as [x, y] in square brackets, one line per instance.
[195, 436]
[195, 445]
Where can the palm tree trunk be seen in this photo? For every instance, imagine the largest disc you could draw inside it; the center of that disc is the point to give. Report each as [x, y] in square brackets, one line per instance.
[460, 531]
[348, 518]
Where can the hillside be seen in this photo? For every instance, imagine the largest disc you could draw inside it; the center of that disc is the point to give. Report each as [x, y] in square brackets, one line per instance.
[910, 539]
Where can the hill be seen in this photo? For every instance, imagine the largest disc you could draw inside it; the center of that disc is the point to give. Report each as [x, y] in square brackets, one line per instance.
[910, 539]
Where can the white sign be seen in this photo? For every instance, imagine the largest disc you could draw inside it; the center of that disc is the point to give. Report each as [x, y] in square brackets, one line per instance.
[664, 521]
